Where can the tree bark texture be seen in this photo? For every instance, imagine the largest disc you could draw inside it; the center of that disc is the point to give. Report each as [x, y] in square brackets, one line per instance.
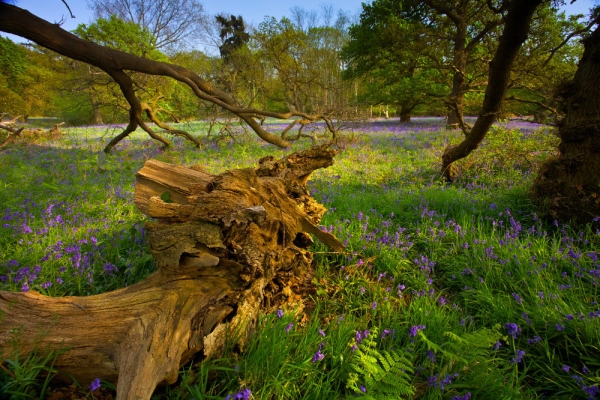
[114, 62]
[568, 186]
[225, 245]
[516, 29]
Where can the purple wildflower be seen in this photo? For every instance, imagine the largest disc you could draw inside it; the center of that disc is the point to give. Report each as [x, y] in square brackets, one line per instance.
[432, 380]
[95, 385]
[321, 332]
[431, 356]
[279, 313]
[518, 357]
[517, 298]
[363, 389]
[289, 328]
[388, 332]
[497, 346]
[415, 329]
[465, 396]
[566, 368]
[536, 339]
[560, 327]
[513, 329]
[318, 356]
[373, 305]
[442, 301]
[243, 394]
[447, 380]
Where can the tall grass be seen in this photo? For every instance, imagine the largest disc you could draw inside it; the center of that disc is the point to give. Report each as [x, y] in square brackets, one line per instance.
[445, 291]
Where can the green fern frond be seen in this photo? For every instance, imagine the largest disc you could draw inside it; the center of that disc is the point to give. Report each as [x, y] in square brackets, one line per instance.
[467, 348]
[379, 374]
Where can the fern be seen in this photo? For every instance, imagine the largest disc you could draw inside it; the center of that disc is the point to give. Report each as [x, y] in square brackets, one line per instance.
[379, 374]
[467, 348]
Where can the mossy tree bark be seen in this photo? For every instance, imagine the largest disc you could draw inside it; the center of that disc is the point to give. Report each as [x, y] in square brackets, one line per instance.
[568, 186]
[224, 246]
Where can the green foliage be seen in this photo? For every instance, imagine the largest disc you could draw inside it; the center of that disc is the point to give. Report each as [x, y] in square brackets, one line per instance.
[233, 34]
[20, 374]
[13, 60]
[25, 80]
[379, 374]
[391, 52]
[121, 35]
[468, 349]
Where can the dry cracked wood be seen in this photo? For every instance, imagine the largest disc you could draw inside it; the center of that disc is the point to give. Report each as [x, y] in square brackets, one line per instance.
[219, 241]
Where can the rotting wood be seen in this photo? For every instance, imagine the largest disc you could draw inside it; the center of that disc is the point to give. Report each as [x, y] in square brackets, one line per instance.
[219, 242]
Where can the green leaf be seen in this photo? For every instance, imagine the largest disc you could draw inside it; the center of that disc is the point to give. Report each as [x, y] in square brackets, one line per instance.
[49, 186]
[166, 197]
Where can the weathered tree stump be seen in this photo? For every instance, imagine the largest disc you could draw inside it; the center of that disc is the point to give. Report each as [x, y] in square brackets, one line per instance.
[219, 242]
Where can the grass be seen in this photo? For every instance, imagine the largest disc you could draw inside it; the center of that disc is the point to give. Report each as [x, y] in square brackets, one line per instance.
[445, 291]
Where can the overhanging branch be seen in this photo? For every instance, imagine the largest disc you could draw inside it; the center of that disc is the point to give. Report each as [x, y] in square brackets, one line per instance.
[114, 62]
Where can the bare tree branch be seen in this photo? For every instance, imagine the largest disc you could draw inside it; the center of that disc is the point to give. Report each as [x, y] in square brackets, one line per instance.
[538, 103]
[68, 8]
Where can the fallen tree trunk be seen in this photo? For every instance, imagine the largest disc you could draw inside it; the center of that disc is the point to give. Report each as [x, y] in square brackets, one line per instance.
[224, 244]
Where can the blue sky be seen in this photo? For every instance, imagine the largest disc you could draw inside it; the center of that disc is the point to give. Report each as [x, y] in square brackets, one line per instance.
[253, 11]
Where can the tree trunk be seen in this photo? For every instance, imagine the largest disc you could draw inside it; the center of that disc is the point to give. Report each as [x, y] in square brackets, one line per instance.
[224, 246]
[567, 187]
[516, 29]
[455, 110]
[96, 110]
[405, 110]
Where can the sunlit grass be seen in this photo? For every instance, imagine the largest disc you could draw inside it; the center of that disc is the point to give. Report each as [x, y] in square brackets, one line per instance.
[458, 279]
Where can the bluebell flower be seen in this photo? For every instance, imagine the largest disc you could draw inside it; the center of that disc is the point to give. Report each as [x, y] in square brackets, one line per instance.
[318, 356]
[415, 329]
[518, 357]
[95, 385]
[513, 329]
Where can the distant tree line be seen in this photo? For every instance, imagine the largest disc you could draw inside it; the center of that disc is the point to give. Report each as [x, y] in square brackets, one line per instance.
[403, 58]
